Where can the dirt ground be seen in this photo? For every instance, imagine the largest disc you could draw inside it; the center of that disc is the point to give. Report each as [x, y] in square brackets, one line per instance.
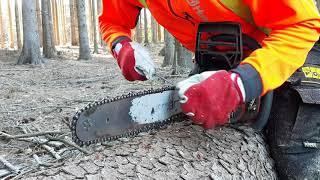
[44, 98]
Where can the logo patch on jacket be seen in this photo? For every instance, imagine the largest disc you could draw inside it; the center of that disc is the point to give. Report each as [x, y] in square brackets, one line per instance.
[195, 5]
[311, 72]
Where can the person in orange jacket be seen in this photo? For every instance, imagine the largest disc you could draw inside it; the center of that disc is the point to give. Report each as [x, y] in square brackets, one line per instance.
[286, 30]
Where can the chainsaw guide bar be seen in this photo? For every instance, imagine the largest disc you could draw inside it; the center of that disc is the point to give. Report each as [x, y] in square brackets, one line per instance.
[125, 116]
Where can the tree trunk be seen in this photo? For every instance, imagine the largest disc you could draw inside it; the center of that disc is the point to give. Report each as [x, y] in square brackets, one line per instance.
[39, 21]
[60, 23]
[18, 27]
[2, 34]
[318, 4]
[159, 32]
[95, 24]
[5, 27]
[30, 53]
[63, 21]
[84, 50]
[176, 56]
[139, 30]
[74, 23]
[50, 16]
[49, 50]
[99, 8]
[89, 22]
[56, 22]
[10, 26]
[184, 57]
[146, 34]
[154, 29]
[169, 49]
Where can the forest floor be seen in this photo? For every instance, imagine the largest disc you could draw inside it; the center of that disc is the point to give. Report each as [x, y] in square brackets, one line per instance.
[44, 98]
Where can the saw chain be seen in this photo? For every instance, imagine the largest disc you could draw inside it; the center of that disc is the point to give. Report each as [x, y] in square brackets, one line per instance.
[92, 107]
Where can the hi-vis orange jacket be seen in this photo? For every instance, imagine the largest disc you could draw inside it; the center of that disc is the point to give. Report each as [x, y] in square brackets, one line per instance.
[294, 28]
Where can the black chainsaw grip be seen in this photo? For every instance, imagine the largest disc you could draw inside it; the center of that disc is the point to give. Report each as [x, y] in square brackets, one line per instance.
[265, 109]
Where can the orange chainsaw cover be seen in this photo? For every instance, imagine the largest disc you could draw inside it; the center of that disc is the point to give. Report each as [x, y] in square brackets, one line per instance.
[294, 24]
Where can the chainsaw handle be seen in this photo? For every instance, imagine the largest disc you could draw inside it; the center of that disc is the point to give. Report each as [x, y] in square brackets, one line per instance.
[265, 110]
[228, 34]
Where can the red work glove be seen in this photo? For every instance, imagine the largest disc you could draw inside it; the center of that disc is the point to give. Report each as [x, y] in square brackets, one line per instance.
[134, 61]
[210, 97]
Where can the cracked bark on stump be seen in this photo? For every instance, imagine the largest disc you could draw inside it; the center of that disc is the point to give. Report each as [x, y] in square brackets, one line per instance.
[181, 151]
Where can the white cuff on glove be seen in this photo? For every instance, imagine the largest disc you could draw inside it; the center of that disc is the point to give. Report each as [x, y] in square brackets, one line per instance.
[240, 85]
[144, 64]
[183, 86]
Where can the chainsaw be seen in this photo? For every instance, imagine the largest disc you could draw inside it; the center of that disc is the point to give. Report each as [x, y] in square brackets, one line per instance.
[133, 113]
